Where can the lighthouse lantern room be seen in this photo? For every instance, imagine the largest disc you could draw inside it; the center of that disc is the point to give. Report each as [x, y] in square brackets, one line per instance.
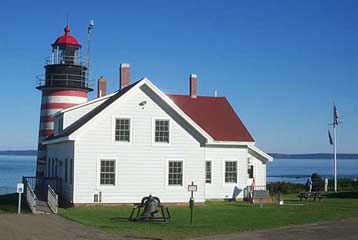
[64, 84]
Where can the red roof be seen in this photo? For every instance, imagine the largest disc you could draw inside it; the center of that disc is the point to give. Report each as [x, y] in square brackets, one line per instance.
[67, 39]
[215, 115]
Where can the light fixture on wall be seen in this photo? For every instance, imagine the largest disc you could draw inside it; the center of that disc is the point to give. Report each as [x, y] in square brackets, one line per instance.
[142, 104]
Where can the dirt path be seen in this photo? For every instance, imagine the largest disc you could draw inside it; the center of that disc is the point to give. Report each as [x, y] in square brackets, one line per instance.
[47, 227]
[346, 229]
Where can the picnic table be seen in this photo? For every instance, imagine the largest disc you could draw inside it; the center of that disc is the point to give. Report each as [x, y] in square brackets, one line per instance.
[310, 195]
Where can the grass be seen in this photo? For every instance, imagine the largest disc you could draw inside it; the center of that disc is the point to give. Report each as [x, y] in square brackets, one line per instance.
[217, 217]
[8, 204]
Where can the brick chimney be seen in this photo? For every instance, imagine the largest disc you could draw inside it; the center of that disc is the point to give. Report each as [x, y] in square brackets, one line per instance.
[193, 86]
[124, 78]
[101, 89]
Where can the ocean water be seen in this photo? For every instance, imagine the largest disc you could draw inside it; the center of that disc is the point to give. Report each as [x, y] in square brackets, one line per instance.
[298, 170]
[12, 168]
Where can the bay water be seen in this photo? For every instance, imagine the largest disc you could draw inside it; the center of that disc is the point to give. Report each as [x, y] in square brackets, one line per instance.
[298, 170]
[12, 168]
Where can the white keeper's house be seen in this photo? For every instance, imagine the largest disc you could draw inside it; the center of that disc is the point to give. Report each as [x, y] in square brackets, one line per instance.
[139, 140]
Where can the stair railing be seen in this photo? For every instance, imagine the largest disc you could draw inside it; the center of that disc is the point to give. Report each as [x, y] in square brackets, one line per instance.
[31, 198]
[52, 199]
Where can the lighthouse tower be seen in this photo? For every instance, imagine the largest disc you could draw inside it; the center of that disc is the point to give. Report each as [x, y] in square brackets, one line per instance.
[63, 85]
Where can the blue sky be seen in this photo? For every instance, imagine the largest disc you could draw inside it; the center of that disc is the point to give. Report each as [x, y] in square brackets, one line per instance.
[281, 64]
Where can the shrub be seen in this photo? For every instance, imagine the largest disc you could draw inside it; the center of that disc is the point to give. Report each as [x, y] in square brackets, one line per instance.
[285, 187]
[317, 182]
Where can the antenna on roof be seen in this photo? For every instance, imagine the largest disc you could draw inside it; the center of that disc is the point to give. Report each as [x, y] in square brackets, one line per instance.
[89, 34]
[67, 21]
[215, 93]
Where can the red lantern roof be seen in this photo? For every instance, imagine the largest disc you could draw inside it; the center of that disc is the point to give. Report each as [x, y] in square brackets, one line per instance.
[67, 39]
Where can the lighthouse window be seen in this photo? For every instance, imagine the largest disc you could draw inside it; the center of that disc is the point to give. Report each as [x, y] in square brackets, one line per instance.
[122, 131]
[108, 172]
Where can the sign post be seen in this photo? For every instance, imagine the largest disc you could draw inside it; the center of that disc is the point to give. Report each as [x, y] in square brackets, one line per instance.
[192, 188]
[19, 190]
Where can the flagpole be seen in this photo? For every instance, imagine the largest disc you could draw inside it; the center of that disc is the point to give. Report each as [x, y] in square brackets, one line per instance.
[335, 156]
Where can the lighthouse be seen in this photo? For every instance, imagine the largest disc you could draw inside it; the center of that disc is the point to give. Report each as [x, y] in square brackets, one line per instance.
[64, 84]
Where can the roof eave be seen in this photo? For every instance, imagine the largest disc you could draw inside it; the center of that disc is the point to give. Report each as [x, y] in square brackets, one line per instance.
[56, 140]
[261, 153]
[231, 143]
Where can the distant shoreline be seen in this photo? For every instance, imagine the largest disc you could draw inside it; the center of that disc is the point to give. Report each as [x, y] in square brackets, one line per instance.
[274, 155]
[19, 152]
[314, 156]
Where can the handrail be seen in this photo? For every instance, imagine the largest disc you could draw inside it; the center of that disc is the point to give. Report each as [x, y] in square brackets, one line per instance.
[31, 198]
[52, 199]
[64, 59]
[63, 80]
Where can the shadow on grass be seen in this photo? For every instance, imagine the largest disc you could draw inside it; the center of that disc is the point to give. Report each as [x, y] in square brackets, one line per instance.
[352, 194]
[8, 203]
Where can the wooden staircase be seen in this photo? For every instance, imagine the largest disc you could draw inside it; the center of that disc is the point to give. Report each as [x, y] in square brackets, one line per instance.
[43, 200]
[42, 208]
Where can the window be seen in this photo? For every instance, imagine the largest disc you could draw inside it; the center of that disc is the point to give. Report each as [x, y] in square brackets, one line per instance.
[71, 171]
[208, 172]
[48, 167]
[122, 132]
[162, 131]
[230, 172]
[66, 170]
[60, 124]
[250, 171]
[175, 173]
[53, 167]
[108, 172]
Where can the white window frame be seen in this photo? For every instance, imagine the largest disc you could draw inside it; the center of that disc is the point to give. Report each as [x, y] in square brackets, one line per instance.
[154, 143]
[253, 170]
[114, 129]
[211, 172]
[177, 186]
[237, 172]
[104, 186]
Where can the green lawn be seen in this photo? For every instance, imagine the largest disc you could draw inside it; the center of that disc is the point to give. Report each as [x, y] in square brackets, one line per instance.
[8, 204]
[217, 217]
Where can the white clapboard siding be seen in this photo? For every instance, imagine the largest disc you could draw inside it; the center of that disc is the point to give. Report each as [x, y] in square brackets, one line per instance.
[141, 165]
[75, 113]
[259, 170]
[218, 189]
[61, 152]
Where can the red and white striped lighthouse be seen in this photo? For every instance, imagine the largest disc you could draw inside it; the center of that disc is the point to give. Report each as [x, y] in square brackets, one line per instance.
[63, 85]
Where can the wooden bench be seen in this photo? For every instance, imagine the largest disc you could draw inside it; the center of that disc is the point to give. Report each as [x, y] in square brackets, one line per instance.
[312, 195]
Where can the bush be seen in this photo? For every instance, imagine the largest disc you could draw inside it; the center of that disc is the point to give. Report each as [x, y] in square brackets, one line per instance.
[317, 182]
[344, 184]
[285, 187]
